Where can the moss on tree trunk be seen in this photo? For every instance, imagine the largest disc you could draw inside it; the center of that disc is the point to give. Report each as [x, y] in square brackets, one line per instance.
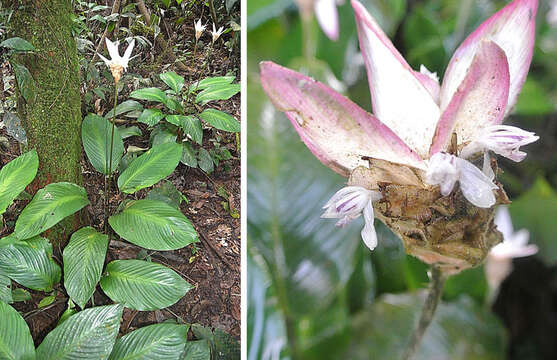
[52, 117]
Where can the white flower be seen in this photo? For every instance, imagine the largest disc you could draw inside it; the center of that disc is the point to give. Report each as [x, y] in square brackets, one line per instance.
[503, 140]
[515, 244]
[445, 170]
[117, 63]
[199, 29]
[349, 203]
[216, 33]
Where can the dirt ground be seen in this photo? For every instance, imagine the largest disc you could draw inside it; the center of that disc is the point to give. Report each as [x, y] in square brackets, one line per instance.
[212, 265]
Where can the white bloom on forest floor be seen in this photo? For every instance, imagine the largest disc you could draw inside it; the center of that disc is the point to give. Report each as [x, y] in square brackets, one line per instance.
[515, 244]
[349, 203]
[216, 33]
[199, 28]
[117, 64]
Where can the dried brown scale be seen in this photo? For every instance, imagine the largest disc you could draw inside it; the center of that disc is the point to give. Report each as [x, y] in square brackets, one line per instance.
[446, 231]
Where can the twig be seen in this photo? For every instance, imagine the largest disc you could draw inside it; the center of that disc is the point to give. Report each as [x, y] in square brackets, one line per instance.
[430, 305]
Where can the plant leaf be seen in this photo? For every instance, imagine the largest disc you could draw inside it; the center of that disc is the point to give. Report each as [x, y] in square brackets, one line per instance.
[212, 81]
[173, 80]
[166, 193]
[205, 161]
[83, 263]
[151, 116]
[188, 155]
[220, 120]
[30, 263]
[17, 44]
[125, 107]
[217, 92]
[153, 225]
[151, 167]
[190, 124]
[196, 350]
[25, 82]
[89, 334]
[96, 134]
[142, 285]
[5, 289]
[49, 205]
[126, 132]
[157, 342]
[15, 176]
[150, 94]
[15, 338]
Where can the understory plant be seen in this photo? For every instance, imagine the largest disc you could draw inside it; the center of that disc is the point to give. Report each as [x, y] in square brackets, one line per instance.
[403, 163]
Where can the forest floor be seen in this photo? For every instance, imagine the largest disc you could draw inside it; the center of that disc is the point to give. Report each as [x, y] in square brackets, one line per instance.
[212, 265]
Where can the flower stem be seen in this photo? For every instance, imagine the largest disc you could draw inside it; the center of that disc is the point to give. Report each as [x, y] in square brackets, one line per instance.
[192, 66]
[433, 297]
[110, 177]
[309, 42]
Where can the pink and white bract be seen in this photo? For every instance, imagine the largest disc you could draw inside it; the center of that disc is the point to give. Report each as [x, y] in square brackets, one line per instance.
[416, 119]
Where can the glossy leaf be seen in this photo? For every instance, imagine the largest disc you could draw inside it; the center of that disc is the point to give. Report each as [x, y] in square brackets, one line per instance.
[153, 225]
[83, 262]
[167, 193]
[18, 44]
[196, 350]
[126, 132]
[96, 134]
[89, 334]
[125, 107]
[205, 161]
[151, 167]
[220, 120]
[15, 338]
[49, 205]
[25, 82]
[30, 263]
[217, 92]
[157, 342]
[5, 289]
[213, 81]
[173, 80]
[15, 176]
[188, 155]
[190, 124]
[150, 94]
[142, 285]
[151, 116]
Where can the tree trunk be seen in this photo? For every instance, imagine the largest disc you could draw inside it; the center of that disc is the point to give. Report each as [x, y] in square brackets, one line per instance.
[52, 116]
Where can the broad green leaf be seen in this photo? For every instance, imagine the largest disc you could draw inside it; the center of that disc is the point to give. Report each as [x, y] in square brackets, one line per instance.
[89, 334]
[173, 80]
[162, 134]
[126, 132]
[18, 44]
[153, 225]
[167, 193]
[197, 350]
[25, 82]
[217, 92]
[190, 124]
[125, 107]
[20, 295]
[157, 342]
[205, 161]
[15, 338]
[83, 263]
[96, 134]
[212, 81]
[15, 176]
[220, 120]
[142, 285]
[49, 205]
[46, 301]
[150, 94]
[174, 105]
[188, 155]
[151, 116]
[5, 289]
[30, 264]
[151, 167]
[220, 92]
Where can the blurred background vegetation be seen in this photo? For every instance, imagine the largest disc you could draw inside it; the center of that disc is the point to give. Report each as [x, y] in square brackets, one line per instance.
[315, 291]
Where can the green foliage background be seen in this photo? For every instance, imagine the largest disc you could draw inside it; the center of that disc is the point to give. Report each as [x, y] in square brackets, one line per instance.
[315, 291]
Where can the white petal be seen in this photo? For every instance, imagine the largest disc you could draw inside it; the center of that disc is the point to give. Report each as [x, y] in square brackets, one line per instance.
[106, 61]
[400, 101]
[112, 48]
[443, 171]
[327, 17]
[369, 236]
[128, 53]
[504, 222]
[476, 187]
[486, 169]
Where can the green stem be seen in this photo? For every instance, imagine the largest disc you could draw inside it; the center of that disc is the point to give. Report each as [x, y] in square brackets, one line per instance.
[309, 42]
[192, 66]
[110, 178]
[433, 298]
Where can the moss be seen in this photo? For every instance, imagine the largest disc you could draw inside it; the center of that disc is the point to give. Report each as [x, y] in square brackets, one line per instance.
[52, 120]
